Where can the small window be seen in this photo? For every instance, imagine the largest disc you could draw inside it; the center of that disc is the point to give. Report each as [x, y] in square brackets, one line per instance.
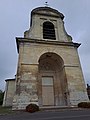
[47, 80]
[48, 31]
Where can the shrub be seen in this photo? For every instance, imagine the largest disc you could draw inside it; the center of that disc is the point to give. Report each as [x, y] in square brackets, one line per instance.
[32, 108]
[84, 105]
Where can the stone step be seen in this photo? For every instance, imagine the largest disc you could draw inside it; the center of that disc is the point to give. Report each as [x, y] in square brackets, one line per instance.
[57, 107]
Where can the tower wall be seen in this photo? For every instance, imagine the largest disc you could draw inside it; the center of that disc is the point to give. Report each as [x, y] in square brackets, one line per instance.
[27, 75]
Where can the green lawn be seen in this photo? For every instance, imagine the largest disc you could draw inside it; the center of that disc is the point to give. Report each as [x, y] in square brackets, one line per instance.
[6, 110]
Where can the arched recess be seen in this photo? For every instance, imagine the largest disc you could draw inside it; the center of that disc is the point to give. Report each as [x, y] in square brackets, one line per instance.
[48, 30]
[52, 83]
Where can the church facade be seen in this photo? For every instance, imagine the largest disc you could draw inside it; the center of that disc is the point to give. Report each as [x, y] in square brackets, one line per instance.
[49, 71]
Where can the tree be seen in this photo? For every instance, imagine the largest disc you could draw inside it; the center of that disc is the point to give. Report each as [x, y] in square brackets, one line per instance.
[1, 97]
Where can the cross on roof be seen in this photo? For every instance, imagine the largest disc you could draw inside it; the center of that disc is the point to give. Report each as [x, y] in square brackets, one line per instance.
[46, 4]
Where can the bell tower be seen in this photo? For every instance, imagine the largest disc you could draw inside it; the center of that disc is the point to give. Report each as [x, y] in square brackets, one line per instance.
[47, 24]
[49, 71]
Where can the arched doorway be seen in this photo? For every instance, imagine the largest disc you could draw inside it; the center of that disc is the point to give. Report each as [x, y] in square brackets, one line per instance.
[52, 80]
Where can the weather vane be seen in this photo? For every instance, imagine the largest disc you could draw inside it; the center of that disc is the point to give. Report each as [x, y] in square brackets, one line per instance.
[46, 4]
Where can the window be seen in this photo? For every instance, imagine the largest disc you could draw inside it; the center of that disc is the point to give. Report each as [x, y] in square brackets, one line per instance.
[48, 31]
[47, 80]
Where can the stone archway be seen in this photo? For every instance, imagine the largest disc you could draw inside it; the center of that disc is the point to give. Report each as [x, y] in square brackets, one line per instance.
[52, 83]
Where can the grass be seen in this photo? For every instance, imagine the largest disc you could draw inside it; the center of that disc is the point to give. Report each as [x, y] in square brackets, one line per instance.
[6, 110]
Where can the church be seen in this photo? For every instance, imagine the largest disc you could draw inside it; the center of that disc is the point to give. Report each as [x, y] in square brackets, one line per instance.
[48, 71]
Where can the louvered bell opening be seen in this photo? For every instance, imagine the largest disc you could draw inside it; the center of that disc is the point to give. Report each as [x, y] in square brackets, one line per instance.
[48, 31]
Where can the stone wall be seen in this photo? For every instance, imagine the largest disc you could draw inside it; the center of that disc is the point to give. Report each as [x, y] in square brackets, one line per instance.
[9, 92]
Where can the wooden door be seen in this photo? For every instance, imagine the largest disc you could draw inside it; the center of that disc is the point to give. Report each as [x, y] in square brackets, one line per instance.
[47, 91]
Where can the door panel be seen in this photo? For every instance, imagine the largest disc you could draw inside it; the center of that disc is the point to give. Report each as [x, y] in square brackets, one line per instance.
[47, 81]
[47, 91]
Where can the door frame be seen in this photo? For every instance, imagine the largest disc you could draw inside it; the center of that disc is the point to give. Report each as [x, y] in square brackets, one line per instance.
[51, 76]
[40, 75]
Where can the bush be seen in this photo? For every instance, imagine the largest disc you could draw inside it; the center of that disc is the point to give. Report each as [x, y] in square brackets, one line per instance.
[84, 105]
[32, 108]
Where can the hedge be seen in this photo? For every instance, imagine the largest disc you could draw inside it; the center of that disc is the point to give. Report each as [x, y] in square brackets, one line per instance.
[84, 105]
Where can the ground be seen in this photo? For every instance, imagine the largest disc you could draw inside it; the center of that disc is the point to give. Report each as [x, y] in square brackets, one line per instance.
[62, 114]
[5, 110]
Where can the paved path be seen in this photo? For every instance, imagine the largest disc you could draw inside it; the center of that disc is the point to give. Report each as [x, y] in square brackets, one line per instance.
[50, 115]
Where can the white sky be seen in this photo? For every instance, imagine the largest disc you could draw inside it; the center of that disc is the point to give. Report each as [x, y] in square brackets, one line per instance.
[15, 19]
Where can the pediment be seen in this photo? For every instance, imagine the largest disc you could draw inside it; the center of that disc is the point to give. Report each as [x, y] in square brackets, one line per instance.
[47, 11]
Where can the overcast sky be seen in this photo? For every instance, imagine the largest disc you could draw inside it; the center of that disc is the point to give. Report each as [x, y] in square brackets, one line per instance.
[15, 19]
